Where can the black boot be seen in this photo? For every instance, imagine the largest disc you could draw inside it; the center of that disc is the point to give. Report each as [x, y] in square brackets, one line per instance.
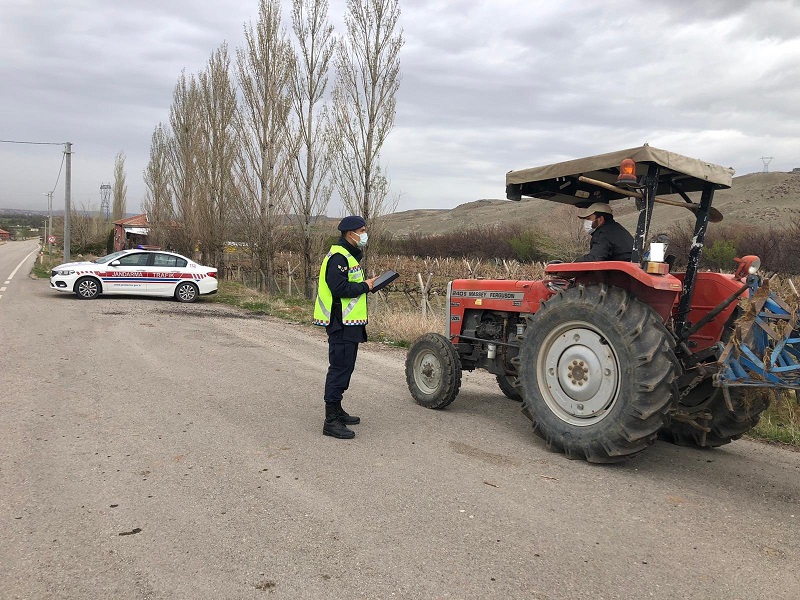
[334, 425]
[348, 419]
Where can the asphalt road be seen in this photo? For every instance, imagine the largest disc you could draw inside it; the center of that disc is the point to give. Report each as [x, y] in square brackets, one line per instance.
[151, 449]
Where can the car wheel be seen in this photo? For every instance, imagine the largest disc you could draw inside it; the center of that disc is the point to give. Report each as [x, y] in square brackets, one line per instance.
[87, 288]
[186, 292]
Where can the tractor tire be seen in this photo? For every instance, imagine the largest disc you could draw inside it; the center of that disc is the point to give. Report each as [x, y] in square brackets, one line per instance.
[511, 391]
[707, 405]
[433, 371]
[597, 369]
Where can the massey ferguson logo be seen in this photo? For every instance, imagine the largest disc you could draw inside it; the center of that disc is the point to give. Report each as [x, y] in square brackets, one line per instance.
[488, 294]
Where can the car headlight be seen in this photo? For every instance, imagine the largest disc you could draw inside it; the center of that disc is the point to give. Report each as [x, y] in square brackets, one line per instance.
[64, 272]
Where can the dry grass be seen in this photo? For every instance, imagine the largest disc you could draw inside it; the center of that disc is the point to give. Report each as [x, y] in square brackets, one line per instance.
[402, 327]
[398, 326]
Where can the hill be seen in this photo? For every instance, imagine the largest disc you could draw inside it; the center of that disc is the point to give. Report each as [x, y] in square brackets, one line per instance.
[770, 199]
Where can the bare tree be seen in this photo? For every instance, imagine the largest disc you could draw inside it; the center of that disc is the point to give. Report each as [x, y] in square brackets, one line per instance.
[264, 70]
[183, 148]
[311, 190]
[89, 230]
[120, 189]
[158, 199]
[364, 102]
[215, 155]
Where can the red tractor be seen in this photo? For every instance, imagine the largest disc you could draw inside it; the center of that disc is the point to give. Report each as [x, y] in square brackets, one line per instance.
[607, 356]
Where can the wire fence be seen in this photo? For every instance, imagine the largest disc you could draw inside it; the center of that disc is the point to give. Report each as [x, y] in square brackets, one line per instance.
[422, 284]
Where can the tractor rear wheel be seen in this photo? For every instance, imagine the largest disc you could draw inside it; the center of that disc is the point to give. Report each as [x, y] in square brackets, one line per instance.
[597, 369]
[511, 391]
[706, 407]
[433, 371]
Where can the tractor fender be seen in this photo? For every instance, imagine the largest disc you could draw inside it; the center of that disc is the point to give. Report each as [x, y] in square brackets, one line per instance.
[660, 292]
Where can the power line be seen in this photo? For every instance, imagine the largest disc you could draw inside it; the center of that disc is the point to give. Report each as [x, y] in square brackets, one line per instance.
[59, 172]
[36, 143]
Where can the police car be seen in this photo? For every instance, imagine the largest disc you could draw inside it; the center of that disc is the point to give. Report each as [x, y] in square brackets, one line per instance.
[139, 272]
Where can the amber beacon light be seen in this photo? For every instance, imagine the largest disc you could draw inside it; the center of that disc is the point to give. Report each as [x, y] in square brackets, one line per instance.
[627, 173]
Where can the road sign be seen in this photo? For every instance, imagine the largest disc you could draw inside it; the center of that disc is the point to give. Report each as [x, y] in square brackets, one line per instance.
[51, 239]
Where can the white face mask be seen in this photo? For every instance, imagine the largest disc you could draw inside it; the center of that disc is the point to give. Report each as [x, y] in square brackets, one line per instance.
[587, 226]
[362, 239]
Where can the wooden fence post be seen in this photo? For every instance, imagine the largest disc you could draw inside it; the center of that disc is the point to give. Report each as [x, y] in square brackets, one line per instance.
[290, 276]
[424, 289]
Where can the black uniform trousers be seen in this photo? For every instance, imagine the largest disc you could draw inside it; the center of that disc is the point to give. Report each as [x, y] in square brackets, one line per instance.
[343, 339]
[342, 360]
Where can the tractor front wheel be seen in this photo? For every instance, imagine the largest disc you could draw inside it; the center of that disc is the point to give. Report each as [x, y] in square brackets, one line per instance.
[597, 369]
[509, 389]
[433, 371]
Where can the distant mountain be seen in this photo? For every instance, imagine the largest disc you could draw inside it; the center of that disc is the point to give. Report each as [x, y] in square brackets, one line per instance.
[768, 199]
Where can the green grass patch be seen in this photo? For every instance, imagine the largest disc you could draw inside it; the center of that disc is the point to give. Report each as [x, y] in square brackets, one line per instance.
[44, 264]
[780, 422]
[293, 308]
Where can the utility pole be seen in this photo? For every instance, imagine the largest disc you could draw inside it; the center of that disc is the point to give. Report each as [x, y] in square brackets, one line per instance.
[67, 198]
[50, 221]
[766, 160]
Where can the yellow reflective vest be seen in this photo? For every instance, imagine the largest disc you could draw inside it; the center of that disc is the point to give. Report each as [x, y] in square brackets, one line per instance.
[354, 310]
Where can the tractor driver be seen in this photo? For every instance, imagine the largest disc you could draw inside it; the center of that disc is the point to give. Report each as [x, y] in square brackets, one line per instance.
[610, 240]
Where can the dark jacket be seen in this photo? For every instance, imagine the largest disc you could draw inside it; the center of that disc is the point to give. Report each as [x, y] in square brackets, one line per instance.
[610, 241]
[342, 287]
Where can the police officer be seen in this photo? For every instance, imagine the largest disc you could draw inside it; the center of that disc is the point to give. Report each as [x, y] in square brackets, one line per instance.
[341, 307]
[610, 240]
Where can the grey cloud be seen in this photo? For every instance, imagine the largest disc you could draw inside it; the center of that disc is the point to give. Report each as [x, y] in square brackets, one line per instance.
[487, 86]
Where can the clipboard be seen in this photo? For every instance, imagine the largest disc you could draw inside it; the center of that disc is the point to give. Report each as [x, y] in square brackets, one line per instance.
[384, 280]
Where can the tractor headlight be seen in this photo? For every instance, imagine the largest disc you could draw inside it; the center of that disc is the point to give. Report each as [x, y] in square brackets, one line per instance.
[748, 265]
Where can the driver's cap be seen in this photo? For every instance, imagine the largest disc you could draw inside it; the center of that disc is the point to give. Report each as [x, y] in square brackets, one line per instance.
[601, 207]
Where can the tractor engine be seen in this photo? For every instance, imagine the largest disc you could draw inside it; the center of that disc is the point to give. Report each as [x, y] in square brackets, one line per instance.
[490, 327]
[489, 340]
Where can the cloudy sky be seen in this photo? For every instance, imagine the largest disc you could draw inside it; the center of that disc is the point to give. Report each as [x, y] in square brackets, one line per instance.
[488, 86]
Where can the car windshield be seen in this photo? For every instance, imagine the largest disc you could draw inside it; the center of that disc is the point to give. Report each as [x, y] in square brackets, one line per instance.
[108, 258]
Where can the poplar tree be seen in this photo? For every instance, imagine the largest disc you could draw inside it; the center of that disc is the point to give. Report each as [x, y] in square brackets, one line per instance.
[364, 104]
[311, 189]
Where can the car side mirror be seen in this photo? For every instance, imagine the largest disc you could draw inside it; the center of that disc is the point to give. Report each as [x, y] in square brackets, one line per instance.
[114, 263]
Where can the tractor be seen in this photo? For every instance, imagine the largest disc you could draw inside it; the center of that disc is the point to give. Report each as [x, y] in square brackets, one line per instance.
[606, 357]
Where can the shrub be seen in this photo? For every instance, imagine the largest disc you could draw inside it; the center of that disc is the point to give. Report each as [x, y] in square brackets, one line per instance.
[720, 255]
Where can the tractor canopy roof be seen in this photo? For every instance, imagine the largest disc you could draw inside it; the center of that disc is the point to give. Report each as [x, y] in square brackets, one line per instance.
[560, 182]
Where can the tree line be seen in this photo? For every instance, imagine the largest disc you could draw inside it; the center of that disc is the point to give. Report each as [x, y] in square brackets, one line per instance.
[563, 239]
[262, 133]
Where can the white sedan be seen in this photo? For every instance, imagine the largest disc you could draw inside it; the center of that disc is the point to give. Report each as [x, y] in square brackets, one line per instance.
[141, 272]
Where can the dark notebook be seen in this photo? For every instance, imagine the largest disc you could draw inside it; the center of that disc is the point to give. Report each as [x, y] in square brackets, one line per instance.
[384, 280]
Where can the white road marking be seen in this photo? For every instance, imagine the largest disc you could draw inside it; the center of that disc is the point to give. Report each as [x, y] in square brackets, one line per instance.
[14, 272]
